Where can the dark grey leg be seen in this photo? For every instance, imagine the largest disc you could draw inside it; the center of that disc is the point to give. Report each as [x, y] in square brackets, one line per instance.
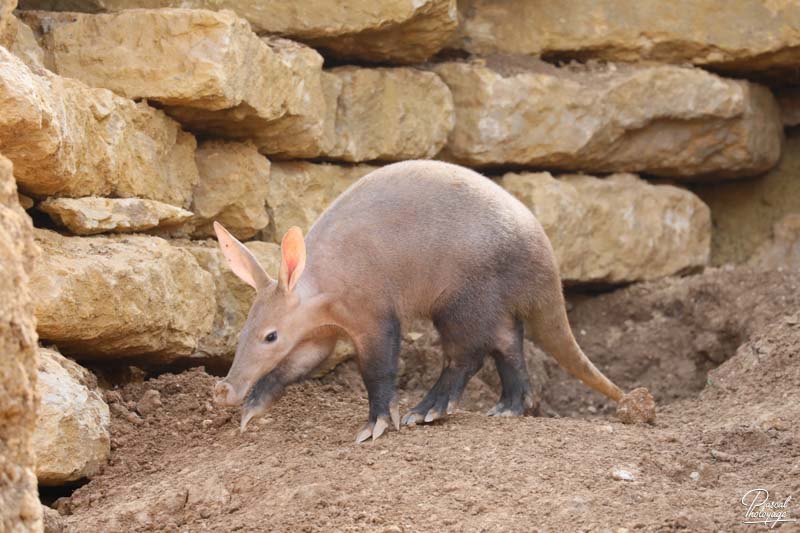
[459, 367]
[516, 397]
[377, 359]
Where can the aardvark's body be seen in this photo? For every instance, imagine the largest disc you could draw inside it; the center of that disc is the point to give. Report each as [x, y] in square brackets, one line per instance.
[413, 239]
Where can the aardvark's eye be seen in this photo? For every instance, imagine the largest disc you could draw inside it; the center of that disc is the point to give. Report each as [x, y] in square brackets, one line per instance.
[272, 336]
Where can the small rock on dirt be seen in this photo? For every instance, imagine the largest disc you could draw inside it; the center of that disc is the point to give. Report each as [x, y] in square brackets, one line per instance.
[621, 474]
[149, 403]
[53, 523]
[637, 407]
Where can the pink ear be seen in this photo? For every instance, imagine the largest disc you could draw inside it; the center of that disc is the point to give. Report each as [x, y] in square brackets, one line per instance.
[241, 260]
[293, 258]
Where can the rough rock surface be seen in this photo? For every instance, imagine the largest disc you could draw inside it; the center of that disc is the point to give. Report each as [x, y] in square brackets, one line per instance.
[744, 212]
[92, 214]
[609, 118]
[71, 440]
[783, 250]
[233, 297]
[617, 229]
[301, 132]
[208, 68]
[7, 28]
[394, 31]
[739, 36]
[66, 139]
[232, 189]
[789, 102]
[300, 191]
[24, 44]
[19, 504]
[118, 296]
[389, 114]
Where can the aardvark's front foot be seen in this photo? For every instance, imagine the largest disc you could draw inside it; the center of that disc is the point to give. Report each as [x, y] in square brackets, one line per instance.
[378, 424]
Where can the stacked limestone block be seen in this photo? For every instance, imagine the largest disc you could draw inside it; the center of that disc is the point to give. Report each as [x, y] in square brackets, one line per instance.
[102, 103]
[19, 505]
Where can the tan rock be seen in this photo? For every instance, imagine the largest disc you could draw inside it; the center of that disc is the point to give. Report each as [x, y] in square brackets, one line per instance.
[19, 501]
[71, 438]
[300, 191]
[405, 31]
[744, 212]
[25, 46]
[301, 132]
[53, 522]
[617, 229]
[233, 297]
[610, 118]
[413, 40]
[783, 250]
[90, 215]
[118, 296]
[232, 189]
[208, 68]
[390, 114]
[789, 102]
[739, 36]
[7, 29]
[66, 139]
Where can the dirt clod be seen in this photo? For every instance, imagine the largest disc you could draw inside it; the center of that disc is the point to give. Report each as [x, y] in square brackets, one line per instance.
[637, 407]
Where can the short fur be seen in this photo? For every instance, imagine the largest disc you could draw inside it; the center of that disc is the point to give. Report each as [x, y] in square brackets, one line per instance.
[417, 239]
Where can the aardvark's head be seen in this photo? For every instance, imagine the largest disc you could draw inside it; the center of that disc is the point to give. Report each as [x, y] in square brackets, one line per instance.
[277, 321]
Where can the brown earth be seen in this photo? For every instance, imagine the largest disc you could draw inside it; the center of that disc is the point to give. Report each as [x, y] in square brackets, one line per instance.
[182, 465]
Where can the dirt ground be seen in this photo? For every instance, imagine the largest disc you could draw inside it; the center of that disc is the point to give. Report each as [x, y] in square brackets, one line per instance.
[718, 350]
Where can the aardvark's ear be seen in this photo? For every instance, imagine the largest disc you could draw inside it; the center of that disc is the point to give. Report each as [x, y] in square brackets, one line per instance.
[241, 260]
[293, 258]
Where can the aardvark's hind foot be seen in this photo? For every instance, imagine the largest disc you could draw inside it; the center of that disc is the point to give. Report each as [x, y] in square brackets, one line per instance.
[517, 405]
[429, 410]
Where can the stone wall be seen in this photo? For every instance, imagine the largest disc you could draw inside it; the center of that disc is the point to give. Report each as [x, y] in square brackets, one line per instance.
[132, 130]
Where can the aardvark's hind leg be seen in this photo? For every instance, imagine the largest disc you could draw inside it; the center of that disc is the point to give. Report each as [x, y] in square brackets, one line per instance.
[516, 397]
[459, 366]
[465, 345]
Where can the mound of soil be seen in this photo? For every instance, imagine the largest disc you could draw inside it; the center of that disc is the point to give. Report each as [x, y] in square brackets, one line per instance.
[181, 464]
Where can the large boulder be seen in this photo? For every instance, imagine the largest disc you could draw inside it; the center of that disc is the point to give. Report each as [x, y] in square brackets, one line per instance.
[71, 440]
[233, 296]
[120, 296]
[305, 130]
[299, 191]
[736, 36]
[389, 114]
[232, 189]
[208, 69]
[658, 119]
[66, 139]
[394, 31]
[618, 229]
[19, 502]
[92, 214]
[744, 212]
